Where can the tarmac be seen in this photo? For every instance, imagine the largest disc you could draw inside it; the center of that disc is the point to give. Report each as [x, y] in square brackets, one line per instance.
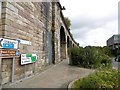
[57, 76]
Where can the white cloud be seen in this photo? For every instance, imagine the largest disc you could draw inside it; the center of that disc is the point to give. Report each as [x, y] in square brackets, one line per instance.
[93, 21]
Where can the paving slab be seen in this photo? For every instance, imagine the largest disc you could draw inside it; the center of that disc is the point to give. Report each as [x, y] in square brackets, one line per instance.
[57, 76]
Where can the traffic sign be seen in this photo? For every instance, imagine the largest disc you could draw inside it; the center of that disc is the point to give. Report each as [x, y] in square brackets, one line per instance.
[8, 44]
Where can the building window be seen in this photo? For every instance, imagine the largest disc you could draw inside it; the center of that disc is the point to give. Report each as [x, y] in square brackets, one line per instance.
[115, 37]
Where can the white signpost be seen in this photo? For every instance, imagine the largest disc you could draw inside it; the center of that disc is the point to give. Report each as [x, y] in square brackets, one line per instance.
[24, 42]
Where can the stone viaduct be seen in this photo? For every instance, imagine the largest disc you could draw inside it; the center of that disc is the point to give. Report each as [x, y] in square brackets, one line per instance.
[42, 24]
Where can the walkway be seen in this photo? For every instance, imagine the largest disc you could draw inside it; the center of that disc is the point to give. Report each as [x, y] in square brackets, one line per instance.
[58, 76]
[114, 63]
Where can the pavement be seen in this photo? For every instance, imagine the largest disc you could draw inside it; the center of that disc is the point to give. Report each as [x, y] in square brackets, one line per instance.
[115, 64]
[57, 76]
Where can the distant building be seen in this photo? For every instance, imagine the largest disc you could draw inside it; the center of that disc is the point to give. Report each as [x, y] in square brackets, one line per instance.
[114, 42]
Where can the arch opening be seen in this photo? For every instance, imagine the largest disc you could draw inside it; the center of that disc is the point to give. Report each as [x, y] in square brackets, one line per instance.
[63, 47]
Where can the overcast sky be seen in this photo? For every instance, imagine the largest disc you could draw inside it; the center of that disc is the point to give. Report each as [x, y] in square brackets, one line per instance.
[93, 21]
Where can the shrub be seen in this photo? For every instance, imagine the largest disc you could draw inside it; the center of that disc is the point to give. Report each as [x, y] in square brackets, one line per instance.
[102, 79]
[89, 57]
[74, 53]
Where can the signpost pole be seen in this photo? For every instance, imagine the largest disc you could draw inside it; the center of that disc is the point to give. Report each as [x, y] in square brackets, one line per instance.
[0, 73]
[25, 71]
[33, 67]
[13, 64]
[8, 49]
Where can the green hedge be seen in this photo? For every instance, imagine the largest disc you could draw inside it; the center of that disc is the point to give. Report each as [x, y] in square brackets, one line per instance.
[89, 57]
[102, 79]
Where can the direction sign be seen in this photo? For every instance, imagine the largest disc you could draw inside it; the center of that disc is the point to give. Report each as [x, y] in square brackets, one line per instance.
[24, 42]
[28, 58]
[8, 44]
[7, 52]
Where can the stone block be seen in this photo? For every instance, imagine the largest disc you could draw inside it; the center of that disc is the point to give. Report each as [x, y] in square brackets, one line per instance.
[16, 77]
[11, 7]
[3, 10]
[28, 73]
[17, 71]
[4, 68]
[19, 6]
[4, 75]
[22, 76]
[10, 18]
[5, 80]
[3, 4]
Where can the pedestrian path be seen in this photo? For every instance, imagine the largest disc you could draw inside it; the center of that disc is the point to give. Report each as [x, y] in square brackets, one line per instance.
[57, 76]
[115, 64]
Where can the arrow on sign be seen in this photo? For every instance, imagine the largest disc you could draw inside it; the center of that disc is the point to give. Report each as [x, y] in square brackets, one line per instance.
[1, 42]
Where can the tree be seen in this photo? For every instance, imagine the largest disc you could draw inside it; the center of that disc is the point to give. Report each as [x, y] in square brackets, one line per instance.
[107, 50]
[68, 22]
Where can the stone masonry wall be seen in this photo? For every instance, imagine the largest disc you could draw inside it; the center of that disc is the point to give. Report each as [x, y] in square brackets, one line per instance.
[31, 21]
[57, 33]
[26, 21]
